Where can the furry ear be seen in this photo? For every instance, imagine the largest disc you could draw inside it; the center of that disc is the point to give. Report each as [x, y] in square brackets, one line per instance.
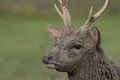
[95, 33]
[54, 31]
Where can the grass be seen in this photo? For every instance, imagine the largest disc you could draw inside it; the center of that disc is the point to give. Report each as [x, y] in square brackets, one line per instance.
[23, 42]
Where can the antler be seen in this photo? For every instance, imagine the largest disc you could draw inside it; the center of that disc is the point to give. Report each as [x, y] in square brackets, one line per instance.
[65, 15]
[92, 18]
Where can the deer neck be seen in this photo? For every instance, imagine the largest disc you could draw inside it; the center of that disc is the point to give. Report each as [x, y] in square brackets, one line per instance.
[93, 66]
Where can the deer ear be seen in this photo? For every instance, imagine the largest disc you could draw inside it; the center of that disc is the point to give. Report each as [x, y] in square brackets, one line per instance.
[95, 33]
[54, 31]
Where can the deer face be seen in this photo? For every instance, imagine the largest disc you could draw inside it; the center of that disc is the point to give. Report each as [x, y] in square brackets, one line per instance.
[69, 47]
[71, 44]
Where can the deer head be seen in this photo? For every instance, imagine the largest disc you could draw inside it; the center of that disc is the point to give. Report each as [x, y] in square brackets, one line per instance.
[71, 44]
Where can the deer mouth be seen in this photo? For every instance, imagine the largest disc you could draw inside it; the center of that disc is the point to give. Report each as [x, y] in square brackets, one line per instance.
[52, 65]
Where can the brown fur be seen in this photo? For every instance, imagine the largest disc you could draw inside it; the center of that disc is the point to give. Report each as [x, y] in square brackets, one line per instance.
[78, 52]
[87, 63]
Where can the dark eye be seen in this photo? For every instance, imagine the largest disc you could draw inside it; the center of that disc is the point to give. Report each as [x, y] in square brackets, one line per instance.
[77, 46]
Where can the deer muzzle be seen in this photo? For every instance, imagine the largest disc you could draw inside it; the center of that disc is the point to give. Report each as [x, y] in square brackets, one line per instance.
[49, 63]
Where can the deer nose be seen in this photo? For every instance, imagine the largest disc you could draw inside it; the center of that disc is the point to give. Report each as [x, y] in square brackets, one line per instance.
[46, 59]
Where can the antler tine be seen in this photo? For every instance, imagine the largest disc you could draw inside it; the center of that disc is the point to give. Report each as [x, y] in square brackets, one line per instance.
[92, 18]
[65, 15]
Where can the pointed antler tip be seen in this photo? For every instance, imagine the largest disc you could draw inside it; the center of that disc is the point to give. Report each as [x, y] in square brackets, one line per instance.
[91, 10]
[60, 1]
[92, 18]
[64, 12]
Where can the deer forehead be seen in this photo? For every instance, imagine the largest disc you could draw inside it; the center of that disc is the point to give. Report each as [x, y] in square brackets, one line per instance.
[73, 38]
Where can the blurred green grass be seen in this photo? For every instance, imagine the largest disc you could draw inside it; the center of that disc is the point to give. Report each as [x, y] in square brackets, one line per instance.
[24, 41]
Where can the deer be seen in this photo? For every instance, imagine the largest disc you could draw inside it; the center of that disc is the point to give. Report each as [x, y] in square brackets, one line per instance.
[77, 51]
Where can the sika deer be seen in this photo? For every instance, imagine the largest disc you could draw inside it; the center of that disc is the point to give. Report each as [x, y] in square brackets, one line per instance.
[78, 51]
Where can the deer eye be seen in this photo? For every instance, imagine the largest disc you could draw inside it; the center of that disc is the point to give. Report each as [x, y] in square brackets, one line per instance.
[77, 46]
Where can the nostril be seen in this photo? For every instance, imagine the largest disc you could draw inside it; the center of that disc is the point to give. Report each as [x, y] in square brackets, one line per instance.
[45, 60]
[50, 57]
